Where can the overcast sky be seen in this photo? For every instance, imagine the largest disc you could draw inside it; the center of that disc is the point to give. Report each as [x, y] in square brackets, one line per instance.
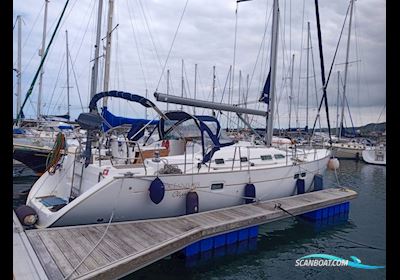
[145, 32]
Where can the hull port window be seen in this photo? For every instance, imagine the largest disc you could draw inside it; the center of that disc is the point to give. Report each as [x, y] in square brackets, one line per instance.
[218, 186]
[219, 161]
[266, 157]
[279, 156]
[243, 159]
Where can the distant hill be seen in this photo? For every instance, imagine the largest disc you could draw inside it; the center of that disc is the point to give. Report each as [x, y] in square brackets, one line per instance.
[364, 130]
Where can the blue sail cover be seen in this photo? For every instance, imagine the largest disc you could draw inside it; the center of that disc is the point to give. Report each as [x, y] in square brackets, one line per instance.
[137, 124]
[267, 87]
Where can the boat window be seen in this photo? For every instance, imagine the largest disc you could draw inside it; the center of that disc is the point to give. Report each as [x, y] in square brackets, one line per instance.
[217, 186]
[266, 157]
[243, 159]
[279, 156]
[296, 176]
[219, 161]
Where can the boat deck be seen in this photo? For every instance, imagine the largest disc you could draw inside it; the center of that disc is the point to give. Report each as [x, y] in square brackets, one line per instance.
[111, 251]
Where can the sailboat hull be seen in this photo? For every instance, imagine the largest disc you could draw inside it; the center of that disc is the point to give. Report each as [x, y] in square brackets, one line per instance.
[375, 156]
[35, 159]
[128, 198]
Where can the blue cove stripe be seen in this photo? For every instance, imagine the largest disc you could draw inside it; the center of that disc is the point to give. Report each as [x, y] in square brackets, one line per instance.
[356, 264]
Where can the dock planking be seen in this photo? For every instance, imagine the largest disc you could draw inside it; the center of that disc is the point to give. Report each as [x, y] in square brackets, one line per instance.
[129, 246]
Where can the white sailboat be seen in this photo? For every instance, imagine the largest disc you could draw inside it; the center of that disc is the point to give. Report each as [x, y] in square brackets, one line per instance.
[375, 155]
[96, 185]
[346, 148]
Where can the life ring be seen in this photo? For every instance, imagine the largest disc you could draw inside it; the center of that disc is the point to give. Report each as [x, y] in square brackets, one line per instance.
[56, 153]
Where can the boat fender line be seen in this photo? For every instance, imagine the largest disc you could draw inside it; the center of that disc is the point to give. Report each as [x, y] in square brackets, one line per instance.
[157, 190]
[26, 215]
[249, 191]
[306, 222]
[192, 203]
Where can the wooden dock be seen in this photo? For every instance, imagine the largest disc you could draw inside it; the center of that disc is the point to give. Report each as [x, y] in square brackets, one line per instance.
[125, 247]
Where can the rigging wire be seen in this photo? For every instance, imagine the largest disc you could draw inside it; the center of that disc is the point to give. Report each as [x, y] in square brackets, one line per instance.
[324, 97]
[76, 81]
[30, 32]
[315, 80]
[300, 64]
[56, 81]
[137, 45]
[172, 44]
[41, 64]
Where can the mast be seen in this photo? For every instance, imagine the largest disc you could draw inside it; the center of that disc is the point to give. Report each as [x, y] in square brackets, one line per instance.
[19, 68]
[145, 108]
[41, 53]
[182, 84]
[108, 50]
[95, 73]
[337, 103]
[291, 93]
[308, 52]
[195, 86]
[239, 92]
[321, 58]
[247, 95]
[274, 49]
[213, 90]
[229, 94]
[67, 55]
[167, 88]
[345, 68]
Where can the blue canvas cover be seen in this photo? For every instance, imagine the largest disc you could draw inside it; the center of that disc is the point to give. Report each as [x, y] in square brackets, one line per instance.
[201, 121]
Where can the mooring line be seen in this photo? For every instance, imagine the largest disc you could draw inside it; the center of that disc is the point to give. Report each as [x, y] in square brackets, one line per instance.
[279, 206]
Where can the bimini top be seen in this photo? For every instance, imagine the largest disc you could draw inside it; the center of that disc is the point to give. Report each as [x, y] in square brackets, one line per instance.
[179, 124]
[120, 94]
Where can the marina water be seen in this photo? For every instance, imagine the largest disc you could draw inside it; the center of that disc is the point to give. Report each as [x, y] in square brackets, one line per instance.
[279, 244]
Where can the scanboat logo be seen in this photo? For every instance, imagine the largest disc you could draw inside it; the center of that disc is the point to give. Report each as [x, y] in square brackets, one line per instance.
[329, 260]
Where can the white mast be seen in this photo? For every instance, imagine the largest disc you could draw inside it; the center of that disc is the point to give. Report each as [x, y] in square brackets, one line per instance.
[308, 51]
[67, 55]
[145, 109]
[239, 92]
[337, 103]
[19, 69]
[108, 50]
[291, 92]
[195, 86]
[41, 53]
[345, 68]
[167, 87]
[182, 84]
[246, 117]
[274, 49]
[93, 90]
[213, 90]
